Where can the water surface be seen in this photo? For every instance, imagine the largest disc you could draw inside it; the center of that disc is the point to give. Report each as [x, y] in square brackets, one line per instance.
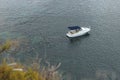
[43, 23]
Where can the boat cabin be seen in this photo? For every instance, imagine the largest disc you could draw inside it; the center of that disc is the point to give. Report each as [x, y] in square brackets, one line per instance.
[74, 29]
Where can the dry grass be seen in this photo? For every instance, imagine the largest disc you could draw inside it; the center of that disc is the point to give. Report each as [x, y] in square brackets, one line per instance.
[16, 71]
[10, 70]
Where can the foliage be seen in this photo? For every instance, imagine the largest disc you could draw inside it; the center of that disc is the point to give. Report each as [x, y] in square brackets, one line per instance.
[8, 73]
[6, 46]
[15, 71]
[9, 45]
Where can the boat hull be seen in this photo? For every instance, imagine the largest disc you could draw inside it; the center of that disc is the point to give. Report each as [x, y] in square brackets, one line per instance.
[82, 32]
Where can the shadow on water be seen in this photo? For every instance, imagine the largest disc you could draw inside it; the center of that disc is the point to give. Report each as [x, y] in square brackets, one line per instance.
[73, 40]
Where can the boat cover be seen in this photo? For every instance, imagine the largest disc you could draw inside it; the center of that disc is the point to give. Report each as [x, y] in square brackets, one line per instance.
[74, 27]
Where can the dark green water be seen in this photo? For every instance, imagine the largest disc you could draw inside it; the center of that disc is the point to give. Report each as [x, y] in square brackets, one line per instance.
[43, 24]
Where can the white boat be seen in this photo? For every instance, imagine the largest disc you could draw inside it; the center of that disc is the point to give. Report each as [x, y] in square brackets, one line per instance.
[76, 31]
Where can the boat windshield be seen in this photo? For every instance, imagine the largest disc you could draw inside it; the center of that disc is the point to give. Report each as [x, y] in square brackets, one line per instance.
[74, 28]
